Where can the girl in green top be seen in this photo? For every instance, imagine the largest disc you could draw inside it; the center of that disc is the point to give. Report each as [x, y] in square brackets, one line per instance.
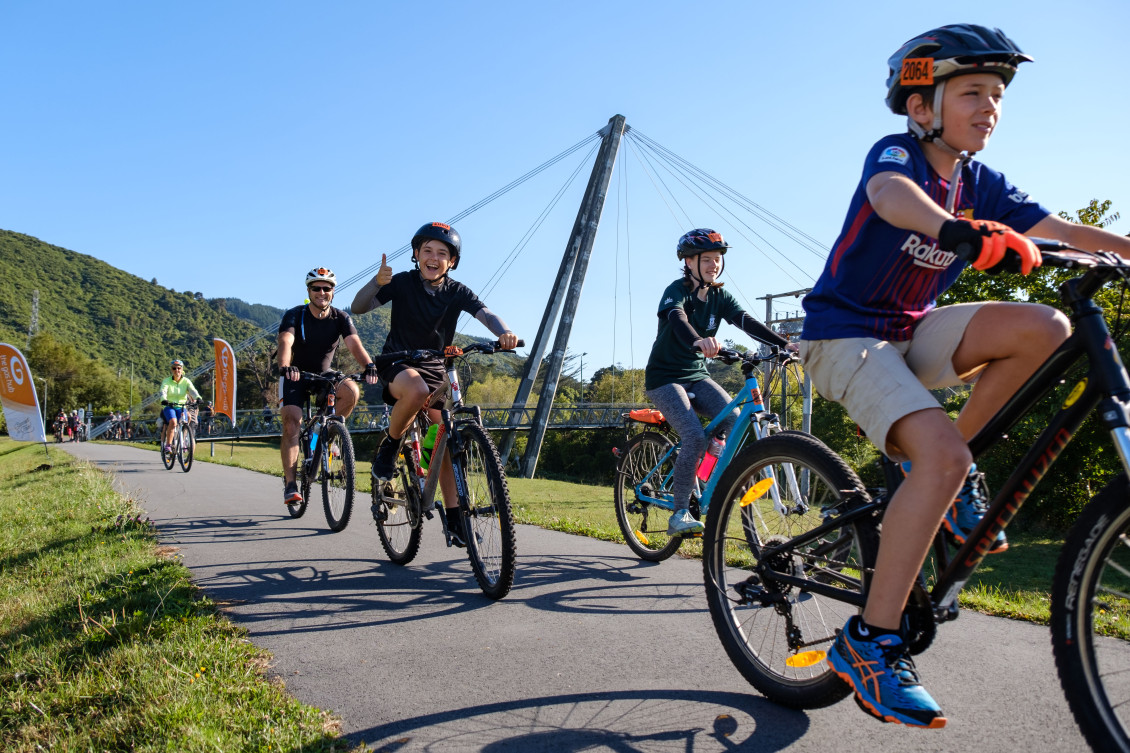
[676, 379]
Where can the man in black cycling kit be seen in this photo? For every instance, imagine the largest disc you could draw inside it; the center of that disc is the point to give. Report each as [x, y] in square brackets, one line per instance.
[308, 338]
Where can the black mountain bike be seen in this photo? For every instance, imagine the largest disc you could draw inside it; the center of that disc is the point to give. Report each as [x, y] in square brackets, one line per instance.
[777, 602]
[326, 451]
[401, 504]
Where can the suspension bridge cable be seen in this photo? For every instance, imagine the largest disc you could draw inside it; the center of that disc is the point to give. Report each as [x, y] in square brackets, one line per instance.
[368, 272]
[709, 198]
[508, 262]
[661, 195]
[524, 241]
[779, 223]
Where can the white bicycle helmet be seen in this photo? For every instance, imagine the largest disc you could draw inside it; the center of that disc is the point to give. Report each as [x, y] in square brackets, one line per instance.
[321, 274]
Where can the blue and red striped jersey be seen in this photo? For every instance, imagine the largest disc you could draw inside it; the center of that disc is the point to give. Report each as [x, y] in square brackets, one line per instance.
[880, 280]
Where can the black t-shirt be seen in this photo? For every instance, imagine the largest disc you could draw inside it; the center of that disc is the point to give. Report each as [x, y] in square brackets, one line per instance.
[315, 340]
[422, 318]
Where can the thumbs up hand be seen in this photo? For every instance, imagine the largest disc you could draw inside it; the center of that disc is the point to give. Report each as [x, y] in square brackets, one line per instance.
[384, 276]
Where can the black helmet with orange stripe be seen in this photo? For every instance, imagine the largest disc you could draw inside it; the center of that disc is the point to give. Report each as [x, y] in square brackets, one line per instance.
[438, 231]
[929, 59]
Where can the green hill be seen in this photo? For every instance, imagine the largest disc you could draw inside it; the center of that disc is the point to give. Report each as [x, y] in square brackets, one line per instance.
[259, 314]
[107, 314]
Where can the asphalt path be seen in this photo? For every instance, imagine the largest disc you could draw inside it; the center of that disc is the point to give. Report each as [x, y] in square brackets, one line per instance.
[592, 650]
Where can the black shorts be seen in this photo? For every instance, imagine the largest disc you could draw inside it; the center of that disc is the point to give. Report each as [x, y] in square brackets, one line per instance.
[432, 371]
[293, 393]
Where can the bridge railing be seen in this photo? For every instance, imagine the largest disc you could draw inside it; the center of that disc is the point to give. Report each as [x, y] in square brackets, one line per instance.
[265, 423]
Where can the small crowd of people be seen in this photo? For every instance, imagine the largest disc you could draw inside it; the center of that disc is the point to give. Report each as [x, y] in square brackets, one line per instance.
[69, 427]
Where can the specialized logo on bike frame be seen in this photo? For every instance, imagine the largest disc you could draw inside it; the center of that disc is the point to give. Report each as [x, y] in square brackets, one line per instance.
[755, 397]
[927, 254]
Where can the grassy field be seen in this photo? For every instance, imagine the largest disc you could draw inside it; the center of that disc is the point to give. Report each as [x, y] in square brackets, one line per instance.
[1013, 584]
[105, 645]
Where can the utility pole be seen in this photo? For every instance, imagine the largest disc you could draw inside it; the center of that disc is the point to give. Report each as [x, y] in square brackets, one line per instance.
[33, 325]
[793, 324]
[566, 293]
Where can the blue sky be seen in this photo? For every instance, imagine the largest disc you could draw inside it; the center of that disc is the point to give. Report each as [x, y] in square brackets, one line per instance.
[228, 147]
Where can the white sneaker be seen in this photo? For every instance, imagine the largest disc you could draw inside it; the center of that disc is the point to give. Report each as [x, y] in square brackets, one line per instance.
[681, 523]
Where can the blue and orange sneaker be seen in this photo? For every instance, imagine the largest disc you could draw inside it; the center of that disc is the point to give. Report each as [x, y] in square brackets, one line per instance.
[883, 677]
[968, 510]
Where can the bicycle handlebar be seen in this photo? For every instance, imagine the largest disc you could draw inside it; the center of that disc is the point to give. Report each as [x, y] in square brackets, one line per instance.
[729, 356]
[427, 354]
[333, 377]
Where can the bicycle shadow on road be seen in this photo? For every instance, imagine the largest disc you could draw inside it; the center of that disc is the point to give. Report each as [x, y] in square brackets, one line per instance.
[189, 530]
[330, 594]
[623, 721]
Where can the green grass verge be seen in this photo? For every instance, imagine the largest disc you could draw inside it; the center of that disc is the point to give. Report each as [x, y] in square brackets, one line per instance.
[1012, 584]
[105, 644]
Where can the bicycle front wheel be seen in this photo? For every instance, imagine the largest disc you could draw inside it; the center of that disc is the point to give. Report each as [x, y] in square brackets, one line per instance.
[337, 475]
[1090, 612]
[777, 635]
[185, 447]
[488, 518]
[298, 509]
[394, 509]
[643, 524]
[169, 456]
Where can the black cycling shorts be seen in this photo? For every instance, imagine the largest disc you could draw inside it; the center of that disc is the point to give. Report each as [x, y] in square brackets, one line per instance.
[432, 371]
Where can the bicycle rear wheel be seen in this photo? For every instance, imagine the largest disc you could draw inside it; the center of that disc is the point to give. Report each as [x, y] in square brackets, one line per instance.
[1090, 609]
[488, 518]
[185, 447]
[776, 634]
[644, 525]
[337, 475]
[395, 506]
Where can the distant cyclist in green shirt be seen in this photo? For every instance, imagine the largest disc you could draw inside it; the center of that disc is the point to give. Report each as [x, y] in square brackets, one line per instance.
[676, 379]
[175, 390]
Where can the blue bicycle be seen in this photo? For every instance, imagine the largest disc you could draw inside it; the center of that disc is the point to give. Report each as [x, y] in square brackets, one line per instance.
[646, 464]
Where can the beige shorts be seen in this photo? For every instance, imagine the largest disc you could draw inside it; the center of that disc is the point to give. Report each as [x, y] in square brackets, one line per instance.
[878, 382]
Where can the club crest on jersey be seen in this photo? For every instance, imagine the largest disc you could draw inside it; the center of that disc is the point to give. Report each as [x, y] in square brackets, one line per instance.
[895, 154]
[927, 255]
[713, 323]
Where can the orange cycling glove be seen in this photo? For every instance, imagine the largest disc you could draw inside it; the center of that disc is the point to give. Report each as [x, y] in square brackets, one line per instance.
[989, 246]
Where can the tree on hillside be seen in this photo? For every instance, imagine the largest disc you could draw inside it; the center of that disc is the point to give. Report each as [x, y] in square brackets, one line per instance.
[71, 380]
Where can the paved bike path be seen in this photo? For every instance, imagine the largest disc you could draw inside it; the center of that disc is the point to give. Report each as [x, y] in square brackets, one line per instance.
[592, 650]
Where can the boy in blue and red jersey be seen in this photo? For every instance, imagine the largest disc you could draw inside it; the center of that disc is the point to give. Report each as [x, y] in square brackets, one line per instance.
[875, 341]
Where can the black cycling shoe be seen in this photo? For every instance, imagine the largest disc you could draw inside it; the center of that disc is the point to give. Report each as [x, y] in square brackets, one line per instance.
[379, 511]
[455, 527]
[384, 459]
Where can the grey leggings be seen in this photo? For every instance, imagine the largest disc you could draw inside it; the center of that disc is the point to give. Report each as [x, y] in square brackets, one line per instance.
[682, 412]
